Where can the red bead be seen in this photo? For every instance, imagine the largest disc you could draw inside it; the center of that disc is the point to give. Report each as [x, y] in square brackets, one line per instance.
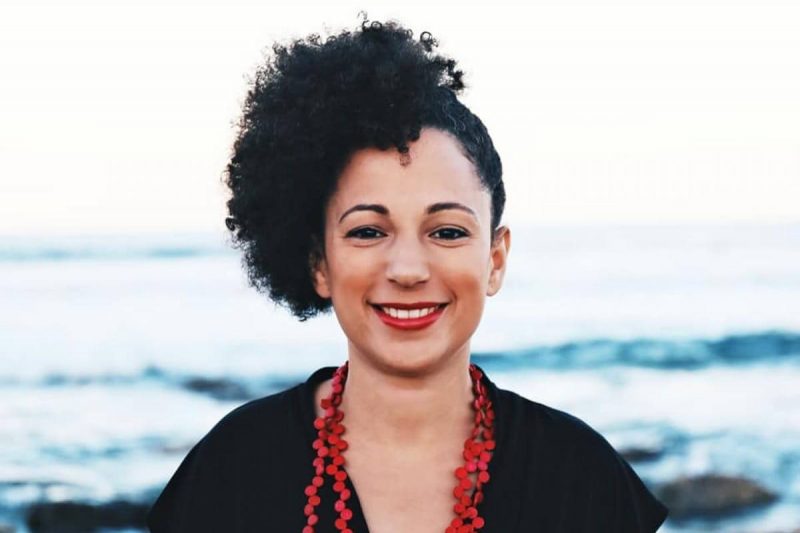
[345, 495]
[347, 514]
[314, 499]
[340, 523]
[312, 519]
[341, 475]
[311, 490]
[319, 423]
[338, 486]
[483, 476]
[308, 509]
[478, 522]
[308, 529]
[331, 469]
[461, 472]
[339, 505]
[317, 481]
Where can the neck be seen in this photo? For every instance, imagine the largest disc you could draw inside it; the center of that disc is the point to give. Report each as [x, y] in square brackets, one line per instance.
[409, 410]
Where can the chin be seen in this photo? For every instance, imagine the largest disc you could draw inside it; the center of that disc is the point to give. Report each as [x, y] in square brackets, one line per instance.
[402, 364]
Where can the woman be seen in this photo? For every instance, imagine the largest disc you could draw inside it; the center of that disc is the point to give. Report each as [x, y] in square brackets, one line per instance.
[360, 183]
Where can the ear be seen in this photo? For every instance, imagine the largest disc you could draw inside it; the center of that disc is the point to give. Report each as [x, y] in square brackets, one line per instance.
[498, 259]
[319, 273]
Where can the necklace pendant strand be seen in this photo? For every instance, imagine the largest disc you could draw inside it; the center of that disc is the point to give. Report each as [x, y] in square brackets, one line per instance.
[470, 478]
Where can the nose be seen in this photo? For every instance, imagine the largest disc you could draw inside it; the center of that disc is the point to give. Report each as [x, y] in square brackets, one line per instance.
[407, 261]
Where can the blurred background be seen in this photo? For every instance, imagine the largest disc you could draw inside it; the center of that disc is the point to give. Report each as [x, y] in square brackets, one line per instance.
[652, 163]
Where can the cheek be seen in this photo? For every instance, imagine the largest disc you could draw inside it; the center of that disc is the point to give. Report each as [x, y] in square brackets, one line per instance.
[466, 278]
[353, 275]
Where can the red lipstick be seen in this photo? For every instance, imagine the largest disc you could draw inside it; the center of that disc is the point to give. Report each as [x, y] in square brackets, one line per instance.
[410, 323]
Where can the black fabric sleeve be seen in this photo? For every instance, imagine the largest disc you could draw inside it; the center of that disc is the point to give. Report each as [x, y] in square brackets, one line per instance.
[618, 500]
[637, 508]
[197, 496]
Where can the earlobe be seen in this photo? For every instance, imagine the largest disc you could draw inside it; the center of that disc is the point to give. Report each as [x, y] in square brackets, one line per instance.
[319, 273]
[321, 282]
[499, 256]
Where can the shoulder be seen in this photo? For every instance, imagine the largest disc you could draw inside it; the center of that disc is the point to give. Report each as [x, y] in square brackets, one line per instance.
[554, 427]
[594, 479]
[255, 419]
[231, 460]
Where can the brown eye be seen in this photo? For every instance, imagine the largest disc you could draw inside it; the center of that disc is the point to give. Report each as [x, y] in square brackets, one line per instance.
[450, 231]
[359, 233]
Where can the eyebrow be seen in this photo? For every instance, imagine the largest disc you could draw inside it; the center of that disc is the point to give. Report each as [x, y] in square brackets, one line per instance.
[433, 208]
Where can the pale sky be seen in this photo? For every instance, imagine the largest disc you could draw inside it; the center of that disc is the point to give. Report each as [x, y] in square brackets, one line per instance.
[118, 116]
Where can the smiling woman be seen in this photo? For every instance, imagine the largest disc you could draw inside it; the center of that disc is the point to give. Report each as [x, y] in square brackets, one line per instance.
[410, 235]
[361, 184]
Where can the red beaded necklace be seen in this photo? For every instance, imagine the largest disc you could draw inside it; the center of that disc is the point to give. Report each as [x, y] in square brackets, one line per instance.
[330, 447]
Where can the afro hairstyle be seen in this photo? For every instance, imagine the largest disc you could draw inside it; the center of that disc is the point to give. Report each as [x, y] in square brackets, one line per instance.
[309, 107]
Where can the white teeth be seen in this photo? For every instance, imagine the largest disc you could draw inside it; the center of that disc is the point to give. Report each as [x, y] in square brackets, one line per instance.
[406, 313]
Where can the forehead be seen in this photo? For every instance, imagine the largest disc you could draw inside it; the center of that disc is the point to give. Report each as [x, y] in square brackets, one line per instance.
[436, 170]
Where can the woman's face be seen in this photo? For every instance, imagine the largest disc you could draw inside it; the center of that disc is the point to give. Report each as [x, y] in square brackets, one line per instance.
[383, 245]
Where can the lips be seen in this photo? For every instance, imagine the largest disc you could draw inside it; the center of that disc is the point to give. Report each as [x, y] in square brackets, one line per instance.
[410, 323]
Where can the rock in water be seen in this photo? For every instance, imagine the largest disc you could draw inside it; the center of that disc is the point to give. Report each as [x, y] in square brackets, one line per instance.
[711, 495]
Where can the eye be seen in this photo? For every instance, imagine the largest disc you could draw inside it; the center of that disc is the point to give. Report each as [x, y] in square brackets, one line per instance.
[359, 232]
[450, 231]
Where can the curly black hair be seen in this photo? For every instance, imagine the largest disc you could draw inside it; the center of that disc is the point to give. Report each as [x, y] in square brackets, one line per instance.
[309, 107]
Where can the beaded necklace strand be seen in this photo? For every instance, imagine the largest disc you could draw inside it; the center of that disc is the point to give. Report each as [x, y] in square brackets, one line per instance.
[330, 446]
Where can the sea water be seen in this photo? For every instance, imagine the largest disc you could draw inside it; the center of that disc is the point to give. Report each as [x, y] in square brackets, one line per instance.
[682, 339]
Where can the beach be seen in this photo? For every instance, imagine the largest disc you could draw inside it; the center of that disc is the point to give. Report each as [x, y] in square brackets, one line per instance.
[679, 344]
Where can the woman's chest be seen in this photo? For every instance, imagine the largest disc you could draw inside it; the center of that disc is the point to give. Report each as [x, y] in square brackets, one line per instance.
[400, 495]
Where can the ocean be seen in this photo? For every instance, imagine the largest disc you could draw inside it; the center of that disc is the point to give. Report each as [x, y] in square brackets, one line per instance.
[119, 352]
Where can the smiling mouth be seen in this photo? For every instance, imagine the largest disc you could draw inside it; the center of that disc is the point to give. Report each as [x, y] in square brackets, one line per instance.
[403, 320]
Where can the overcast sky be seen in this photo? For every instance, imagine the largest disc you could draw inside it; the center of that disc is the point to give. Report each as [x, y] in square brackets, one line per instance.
[118, 116]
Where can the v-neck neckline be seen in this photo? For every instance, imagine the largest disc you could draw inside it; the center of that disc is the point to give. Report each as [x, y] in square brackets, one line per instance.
[308, 412]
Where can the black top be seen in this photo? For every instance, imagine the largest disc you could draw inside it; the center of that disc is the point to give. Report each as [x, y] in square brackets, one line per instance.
[550, 472]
